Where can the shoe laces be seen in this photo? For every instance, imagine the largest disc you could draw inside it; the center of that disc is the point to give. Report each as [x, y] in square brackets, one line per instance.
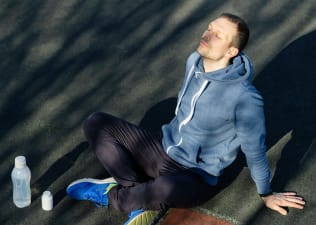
[98, 197]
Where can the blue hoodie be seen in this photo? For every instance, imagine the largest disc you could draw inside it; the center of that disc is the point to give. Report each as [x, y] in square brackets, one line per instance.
[217, 114]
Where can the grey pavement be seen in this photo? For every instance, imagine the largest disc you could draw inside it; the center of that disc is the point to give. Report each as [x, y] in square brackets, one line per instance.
[62, 60]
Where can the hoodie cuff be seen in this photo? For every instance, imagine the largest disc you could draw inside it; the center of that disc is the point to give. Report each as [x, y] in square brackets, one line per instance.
[266, 194]
[264, 189]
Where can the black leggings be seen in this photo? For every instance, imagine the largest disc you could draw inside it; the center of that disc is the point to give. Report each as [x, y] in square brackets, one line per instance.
[148, 178]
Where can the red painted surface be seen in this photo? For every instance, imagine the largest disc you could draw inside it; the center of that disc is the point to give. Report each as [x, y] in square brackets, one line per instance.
[190, 217]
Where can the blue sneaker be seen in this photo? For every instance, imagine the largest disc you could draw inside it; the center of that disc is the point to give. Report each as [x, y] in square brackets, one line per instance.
[92, 190]
[141, 217]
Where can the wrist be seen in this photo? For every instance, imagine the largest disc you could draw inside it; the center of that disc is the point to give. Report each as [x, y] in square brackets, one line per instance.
[266, 194]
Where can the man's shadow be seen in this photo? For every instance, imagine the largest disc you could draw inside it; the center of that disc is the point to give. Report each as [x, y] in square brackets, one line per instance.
[288, 85]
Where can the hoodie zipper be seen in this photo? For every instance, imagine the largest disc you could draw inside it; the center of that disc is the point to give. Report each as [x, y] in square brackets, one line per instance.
[193, 104]
[184, 89]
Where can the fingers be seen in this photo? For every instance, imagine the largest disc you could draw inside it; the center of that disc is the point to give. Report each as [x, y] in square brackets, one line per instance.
[281, 202]
[281, 210]
[293, 204]
[297, 201]
[289, 199]
[289, 193]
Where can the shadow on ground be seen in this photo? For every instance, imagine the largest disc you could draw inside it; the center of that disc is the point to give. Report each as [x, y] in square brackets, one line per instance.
[288, 84]
[62, 60]
[55, 171]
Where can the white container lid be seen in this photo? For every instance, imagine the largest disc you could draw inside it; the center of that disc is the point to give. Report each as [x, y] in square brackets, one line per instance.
[47, 201]
[19, 162]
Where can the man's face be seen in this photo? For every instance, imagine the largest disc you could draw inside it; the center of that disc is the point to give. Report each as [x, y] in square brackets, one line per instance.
[216, 41]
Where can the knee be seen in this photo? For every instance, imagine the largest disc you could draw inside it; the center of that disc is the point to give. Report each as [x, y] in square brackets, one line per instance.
[95, 120]
[92, 120]
[93, 123]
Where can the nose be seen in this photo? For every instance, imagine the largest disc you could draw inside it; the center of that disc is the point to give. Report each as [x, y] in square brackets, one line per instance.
[207, 34]
[209, 28]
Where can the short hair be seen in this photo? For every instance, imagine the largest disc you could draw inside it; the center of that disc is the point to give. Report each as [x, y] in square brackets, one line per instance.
[241, 39]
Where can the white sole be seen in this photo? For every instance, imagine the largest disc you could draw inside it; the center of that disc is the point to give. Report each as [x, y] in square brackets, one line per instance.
[92, 180]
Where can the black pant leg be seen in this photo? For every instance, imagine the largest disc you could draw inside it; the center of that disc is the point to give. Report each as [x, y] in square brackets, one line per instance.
[149, 178]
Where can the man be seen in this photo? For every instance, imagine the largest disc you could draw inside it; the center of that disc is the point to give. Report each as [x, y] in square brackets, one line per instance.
[218, 113]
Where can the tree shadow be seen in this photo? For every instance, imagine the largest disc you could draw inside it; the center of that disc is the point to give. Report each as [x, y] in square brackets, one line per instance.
[58, 61]
[56, 170]
[49, 46]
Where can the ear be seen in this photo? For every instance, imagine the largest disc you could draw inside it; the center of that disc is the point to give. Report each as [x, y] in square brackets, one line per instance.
[232, 52]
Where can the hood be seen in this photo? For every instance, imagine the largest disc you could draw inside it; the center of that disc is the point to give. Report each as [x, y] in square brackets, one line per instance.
[240, 69]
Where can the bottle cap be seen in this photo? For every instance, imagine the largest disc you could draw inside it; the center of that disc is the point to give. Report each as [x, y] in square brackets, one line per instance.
[47, 201]
[19, 162]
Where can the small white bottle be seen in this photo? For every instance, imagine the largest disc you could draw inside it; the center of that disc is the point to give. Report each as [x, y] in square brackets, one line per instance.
[47, 201]
[21, 177]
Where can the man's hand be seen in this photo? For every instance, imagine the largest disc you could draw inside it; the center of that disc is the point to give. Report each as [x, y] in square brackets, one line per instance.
[280, 201]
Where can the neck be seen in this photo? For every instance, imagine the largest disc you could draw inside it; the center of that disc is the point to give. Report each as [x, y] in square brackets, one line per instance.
[212, 65]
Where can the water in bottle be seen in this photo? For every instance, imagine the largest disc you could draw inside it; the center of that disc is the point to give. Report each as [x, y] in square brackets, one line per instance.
[21, 176]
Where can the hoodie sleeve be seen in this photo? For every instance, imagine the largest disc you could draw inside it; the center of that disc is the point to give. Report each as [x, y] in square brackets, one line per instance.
[250, 127]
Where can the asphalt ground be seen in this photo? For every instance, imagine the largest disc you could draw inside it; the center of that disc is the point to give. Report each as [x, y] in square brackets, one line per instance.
[62, 60]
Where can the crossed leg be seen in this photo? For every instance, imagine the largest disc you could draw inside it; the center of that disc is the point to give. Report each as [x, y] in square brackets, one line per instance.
[148, 178]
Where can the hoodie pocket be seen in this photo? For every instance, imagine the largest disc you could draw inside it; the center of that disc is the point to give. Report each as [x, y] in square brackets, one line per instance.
[198, 158]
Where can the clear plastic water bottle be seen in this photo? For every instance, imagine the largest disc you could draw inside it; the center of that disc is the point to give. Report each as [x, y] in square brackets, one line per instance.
[21, 177]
